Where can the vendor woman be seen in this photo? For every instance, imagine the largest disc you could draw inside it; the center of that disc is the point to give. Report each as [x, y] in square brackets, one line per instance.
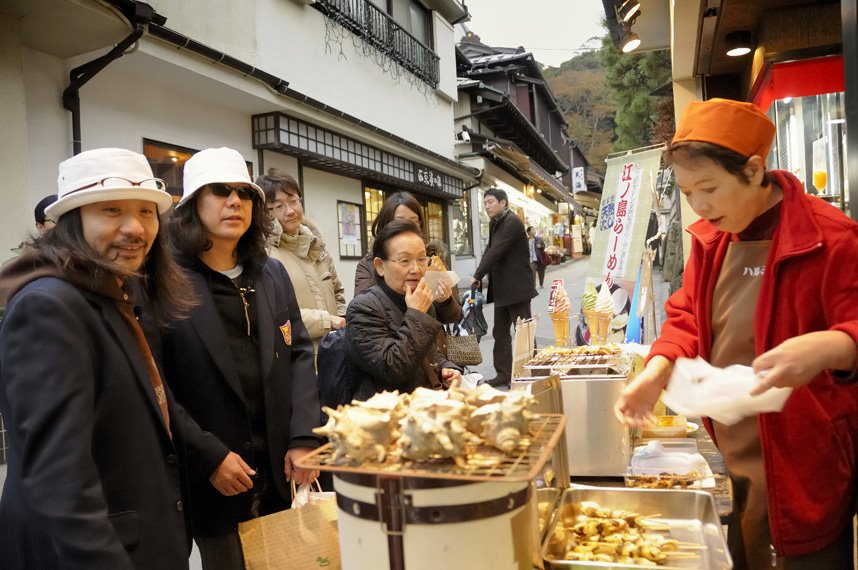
[772, 282]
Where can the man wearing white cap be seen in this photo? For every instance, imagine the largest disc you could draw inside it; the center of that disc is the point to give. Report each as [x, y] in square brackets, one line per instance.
[95, 452]
[242, 364]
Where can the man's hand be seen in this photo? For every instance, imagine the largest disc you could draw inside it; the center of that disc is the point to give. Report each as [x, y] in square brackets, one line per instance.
[472, 280]
[636, 401]
[300, 476]
[798, 360]
[232, 476]
[450, 377]
[420, 298]
[337, 322]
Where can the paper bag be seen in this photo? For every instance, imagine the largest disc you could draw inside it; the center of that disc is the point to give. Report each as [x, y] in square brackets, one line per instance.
[295, 539]
[523, 344]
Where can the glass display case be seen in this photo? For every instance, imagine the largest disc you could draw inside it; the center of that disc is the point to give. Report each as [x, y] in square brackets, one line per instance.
[811, 142]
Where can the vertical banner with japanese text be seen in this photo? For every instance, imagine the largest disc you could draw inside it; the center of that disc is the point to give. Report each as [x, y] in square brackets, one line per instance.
[623, 215]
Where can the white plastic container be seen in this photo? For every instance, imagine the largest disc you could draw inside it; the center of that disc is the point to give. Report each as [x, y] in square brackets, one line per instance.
[445, 524]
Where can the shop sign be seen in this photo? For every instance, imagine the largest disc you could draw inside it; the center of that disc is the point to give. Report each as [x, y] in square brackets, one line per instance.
[429, 177]
[579, 184]
[624, 216]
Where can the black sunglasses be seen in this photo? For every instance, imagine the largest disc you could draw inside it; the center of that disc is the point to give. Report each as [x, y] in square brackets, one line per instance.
[225, 190]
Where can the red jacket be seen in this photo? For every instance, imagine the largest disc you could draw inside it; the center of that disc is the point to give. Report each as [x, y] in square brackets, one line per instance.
[810, 284]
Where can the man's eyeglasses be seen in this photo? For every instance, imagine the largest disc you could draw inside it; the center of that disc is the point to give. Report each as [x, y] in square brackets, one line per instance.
[421, 262]
[225, 190]
[293, 203]
[117, 182]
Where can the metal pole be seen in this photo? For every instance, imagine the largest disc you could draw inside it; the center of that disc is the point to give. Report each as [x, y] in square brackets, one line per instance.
[849, 24]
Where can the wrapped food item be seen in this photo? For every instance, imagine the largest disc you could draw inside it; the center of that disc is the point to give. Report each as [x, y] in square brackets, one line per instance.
[436, 264]
[558, 310]
[600, 316]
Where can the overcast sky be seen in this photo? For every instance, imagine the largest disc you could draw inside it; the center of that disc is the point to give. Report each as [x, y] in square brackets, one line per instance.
[550, 29]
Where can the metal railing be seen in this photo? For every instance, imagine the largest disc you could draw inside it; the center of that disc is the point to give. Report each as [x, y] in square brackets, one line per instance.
[380, 31]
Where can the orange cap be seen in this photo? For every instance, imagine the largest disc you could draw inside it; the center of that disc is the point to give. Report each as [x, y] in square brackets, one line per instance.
[738, 126]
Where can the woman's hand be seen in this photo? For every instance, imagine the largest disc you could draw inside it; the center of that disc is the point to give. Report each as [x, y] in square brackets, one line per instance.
[299, 475]
[420, 298]
[443, 291]
[799, 360]
[450, 377]
[337, 322]
[636, 401]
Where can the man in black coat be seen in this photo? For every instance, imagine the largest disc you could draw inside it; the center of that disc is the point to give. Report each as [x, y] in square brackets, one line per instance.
[507, 263]
[96, 445]
[242, 364]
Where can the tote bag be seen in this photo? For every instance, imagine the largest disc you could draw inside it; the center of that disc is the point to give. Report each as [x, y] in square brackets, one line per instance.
[300, 538]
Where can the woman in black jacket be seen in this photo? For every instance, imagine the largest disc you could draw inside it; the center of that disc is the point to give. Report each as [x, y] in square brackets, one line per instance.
[392, 335]
[404, 206]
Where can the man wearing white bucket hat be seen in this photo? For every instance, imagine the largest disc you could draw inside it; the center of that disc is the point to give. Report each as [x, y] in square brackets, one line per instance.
[242, 364]
[95, 452]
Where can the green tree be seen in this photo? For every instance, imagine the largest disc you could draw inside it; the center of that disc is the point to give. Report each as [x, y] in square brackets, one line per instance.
[631, 78]
[579, 87]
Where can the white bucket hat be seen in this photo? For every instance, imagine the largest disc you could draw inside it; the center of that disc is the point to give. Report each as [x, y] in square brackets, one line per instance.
[213, 165]
[106, 174]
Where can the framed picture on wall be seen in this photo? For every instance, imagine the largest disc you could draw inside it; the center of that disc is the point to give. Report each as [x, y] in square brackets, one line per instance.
[350, 229]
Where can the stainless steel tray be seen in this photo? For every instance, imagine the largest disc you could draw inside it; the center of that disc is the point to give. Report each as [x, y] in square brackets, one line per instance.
[691, 515]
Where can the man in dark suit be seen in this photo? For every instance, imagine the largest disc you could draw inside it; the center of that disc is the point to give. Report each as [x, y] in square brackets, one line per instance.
[242, 364]
[96, 445]
[507, 263]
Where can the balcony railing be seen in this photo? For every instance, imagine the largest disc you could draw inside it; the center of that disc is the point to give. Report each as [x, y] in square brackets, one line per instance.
[381, 32]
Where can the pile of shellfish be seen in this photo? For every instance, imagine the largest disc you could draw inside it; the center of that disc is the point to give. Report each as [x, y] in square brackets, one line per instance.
[427, 424]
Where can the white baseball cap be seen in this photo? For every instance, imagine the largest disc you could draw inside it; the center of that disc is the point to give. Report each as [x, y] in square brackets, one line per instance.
[216, 165]
[104, 174]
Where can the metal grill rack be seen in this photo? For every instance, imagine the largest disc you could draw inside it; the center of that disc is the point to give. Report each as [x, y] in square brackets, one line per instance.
[481, 463]
[608, 365]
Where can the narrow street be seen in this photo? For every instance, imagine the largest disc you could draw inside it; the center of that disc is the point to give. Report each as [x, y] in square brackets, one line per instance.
[574, 274]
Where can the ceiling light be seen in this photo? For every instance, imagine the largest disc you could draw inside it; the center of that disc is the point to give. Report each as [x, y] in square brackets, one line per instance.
[628, 9]
[630, 40]
[738, 43]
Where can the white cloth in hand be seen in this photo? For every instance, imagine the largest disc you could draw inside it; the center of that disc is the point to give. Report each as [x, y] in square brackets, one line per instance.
[697, 388]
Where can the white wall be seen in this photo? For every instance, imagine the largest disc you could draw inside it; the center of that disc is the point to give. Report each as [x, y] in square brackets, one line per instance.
[291, 43]
[17, 201]
[321, 192]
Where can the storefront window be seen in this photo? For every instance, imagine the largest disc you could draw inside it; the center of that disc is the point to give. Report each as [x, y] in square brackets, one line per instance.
[168, 163]
[811, 142]
[373, 199]
[433, 214]
[460, 210]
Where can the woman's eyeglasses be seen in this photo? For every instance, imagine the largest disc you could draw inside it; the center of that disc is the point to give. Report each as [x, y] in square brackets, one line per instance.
[225, 190]
[421, 262]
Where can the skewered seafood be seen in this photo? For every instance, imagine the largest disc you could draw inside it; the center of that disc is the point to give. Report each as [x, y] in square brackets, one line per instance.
[591, 532]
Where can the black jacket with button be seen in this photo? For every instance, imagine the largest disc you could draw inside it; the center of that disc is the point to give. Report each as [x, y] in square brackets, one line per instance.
[202, 374]
[93, 477]
[386, 346]
[507, 262]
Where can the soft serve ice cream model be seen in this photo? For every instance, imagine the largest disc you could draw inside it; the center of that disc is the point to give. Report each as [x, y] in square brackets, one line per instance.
[598, 312]
[558, 310]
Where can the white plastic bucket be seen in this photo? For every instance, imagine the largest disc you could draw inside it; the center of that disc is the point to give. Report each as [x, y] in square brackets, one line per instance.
[445, 524]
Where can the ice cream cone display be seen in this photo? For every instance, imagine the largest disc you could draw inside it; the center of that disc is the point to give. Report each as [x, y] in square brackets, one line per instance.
[558, 310]
[600, 315]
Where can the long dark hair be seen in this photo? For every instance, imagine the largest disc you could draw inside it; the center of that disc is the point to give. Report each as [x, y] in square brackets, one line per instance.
[168, 291]
[188, 237]
[388, 209]
[729, 160]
